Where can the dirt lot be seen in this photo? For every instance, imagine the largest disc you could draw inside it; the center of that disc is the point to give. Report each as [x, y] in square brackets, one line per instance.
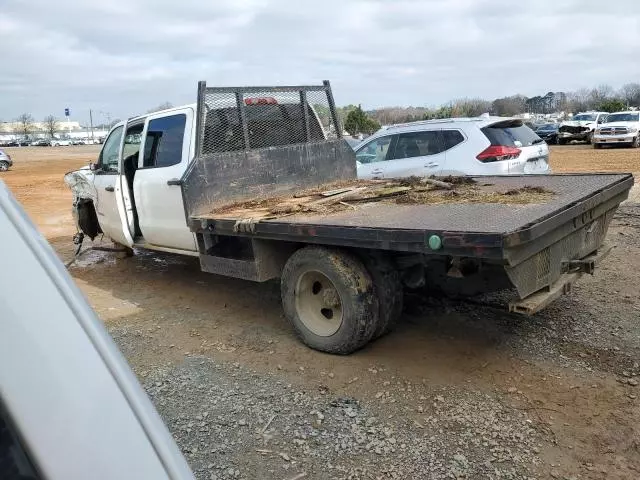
[460, 390]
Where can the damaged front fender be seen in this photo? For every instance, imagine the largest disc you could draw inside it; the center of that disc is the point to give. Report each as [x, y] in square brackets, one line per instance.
[81, 184]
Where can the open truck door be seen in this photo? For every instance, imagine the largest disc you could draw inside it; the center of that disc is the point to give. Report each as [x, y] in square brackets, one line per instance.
[110, 194]
[165, 155]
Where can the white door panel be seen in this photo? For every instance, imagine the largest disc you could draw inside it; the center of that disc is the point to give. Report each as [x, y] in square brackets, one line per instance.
[108, 189]
[160, 207]
[109, 202]
[371, 171]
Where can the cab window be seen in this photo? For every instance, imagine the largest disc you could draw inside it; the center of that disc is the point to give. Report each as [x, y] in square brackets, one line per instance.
[374, 151]
[164, 140]
[110, 153]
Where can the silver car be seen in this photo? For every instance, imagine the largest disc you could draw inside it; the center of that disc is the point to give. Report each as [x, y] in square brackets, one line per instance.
[5, 161]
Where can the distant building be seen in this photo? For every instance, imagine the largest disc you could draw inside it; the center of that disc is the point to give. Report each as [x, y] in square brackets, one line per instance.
[39, 127]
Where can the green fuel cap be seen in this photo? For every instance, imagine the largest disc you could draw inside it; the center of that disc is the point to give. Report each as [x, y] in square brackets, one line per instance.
[435, 242]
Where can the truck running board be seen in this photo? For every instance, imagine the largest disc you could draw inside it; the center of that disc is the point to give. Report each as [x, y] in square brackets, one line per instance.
[575, 269]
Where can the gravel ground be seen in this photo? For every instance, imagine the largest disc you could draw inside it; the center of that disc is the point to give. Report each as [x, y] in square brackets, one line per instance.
[236, 423]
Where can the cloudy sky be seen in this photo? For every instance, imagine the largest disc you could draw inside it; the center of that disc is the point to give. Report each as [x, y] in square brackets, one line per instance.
[122, 57]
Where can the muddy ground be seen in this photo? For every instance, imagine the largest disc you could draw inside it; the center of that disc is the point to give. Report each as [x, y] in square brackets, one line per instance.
[460, 390]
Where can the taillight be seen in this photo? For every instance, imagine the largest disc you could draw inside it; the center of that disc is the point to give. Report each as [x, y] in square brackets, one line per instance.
[260, 101]
[497, 153]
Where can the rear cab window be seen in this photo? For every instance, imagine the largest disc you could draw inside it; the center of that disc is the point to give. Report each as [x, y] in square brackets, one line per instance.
[269, 125]
[164, 141]
[512, 133]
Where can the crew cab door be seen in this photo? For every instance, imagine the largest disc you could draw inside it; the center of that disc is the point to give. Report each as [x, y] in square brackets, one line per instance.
[109, 204]
[166, 151]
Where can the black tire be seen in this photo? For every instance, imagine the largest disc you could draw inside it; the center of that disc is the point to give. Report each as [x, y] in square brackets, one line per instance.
[340, 273]
[388, 286]
[589, 139]
[597, 146]
[562, 141]
[636, 142]
[4, 166]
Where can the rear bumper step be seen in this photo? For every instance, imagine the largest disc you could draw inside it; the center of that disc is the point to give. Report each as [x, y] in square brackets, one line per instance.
[574, 270]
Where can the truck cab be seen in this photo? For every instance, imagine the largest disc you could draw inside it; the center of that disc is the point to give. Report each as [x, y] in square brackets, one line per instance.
[134, 188]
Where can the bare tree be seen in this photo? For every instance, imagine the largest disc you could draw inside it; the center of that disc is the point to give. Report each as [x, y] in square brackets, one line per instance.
[470, 107]
[509, 106]
[25, 124]
[51, 125]
[599, 95]
[579, 101]
[162, 106]
[630, 93]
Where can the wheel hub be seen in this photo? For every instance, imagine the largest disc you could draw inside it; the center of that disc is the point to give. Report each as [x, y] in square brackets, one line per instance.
[318, 303]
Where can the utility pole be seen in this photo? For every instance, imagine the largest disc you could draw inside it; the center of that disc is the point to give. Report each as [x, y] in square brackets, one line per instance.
[91, 122]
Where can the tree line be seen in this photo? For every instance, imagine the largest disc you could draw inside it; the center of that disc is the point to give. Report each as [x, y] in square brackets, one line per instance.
[601, 98]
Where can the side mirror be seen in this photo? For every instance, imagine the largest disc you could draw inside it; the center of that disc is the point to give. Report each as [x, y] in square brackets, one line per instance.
[93, 167]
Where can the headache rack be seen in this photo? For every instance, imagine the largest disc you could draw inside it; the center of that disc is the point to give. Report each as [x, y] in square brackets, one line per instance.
[253, 142]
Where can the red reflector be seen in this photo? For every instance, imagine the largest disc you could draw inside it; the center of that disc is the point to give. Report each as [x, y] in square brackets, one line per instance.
[496, 153]
[260, 101]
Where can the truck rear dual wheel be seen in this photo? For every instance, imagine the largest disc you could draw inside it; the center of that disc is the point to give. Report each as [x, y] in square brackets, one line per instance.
[333, 301]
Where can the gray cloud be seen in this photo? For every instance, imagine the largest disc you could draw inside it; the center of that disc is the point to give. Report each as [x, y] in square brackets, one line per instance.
[124, 57]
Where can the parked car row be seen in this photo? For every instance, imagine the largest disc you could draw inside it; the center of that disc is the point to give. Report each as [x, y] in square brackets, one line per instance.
[597, 128]
[54, 142]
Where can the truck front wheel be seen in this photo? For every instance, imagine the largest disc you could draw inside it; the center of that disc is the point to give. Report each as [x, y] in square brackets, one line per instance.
[329, 298]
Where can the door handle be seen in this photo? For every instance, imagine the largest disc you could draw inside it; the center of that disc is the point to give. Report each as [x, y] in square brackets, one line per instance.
[174, 181]
[431, 164]
[109, 189]
[376, 172]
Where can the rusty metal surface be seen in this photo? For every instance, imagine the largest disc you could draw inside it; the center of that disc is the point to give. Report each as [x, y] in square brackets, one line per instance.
[468, 217]
[247, 174]
[546, 266]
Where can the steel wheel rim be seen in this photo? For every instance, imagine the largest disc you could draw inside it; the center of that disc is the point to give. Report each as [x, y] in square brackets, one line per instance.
[4, 166]
[318, 303]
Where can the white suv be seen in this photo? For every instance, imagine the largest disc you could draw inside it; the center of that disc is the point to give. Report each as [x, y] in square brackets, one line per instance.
[456, 146]
[620, 127]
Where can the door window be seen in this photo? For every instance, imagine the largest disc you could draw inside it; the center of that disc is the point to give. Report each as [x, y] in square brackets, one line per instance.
[418, 144]
[451, 138]
[163, 144]
[111, 151]
[375, 151]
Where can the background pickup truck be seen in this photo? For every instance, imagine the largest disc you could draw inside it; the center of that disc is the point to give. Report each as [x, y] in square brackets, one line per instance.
[258, 184]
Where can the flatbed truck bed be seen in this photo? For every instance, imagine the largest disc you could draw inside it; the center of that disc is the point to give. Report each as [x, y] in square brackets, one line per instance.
[343, 271]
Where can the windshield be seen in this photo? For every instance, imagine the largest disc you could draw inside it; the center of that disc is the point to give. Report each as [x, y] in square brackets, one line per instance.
[585, 117]
[623, 117]
[550, 126]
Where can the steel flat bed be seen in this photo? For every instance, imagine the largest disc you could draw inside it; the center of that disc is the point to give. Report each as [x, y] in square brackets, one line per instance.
[482, 230]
